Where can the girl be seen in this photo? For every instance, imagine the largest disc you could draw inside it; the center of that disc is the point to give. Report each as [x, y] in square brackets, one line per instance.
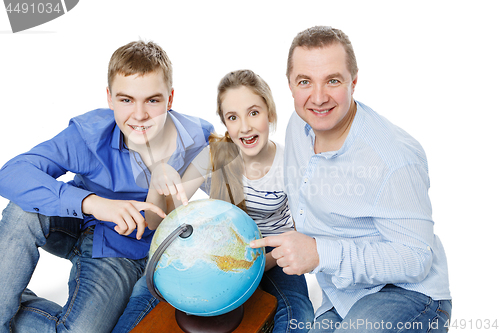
[246, 107]
[244, 167]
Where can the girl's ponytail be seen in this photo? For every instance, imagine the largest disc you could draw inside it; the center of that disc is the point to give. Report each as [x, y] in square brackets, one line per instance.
[227, 170]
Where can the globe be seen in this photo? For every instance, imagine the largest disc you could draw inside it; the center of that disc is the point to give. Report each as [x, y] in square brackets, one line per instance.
[210, 269]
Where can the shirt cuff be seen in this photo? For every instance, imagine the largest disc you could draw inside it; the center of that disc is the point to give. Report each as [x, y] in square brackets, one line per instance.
[71, 201]
[330, 255]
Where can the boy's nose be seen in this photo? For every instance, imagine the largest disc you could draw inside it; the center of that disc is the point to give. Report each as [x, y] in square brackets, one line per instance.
[140, 112]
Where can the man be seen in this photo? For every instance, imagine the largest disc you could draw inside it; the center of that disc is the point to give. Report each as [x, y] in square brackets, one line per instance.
[357, 188]
[124, 159]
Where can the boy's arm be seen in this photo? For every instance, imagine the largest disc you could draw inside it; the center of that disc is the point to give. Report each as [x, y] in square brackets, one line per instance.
[30, 179]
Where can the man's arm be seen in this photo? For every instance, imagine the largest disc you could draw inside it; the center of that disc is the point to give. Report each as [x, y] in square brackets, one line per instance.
[402, 255]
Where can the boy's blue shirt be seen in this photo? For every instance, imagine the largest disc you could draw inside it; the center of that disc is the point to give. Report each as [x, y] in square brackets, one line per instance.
[92, 148]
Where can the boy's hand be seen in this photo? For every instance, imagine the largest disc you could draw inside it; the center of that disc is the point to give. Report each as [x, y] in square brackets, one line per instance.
[166, 180]
[126, 214]
[296, 253]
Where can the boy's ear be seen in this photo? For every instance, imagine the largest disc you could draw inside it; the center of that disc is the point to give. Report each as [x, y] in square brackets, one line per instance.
[110, 100]
[170, 99]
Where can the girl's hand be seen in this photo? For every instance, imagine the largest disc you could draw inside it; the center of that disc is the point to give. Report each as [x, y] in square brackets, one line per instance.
[166, 180]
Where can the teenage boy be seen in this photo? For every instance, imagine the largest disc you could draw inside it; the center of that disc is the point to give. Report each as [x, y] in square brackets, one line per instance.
[358, 192]
[123, 159]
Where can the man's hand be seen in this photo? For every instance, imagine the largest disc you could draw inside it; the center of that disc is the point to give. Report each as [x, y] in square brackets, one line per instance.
[126, 214]
[295, 252]
[166, 180]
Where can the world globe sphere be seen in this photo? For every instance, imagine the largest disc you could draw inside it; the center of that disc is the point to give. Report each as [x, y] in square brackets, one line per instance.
[211, 270]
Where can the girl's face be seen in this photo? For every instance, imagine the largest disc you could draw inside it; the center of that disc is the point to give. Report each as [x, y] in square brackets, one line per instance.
[246, 118]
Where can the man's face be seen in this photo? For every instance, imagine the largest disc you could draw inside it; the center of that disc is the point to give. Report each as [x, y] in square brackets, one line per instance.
[322, 87]
[140, 104]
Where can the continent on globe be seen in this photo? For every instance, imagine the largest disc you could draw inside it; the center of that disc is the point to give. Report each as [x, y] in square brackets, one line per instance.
[236, 261]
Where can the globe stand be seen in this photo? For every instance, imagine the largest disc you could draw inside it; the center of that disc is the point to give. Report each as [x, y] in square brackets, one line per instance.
[224, 323]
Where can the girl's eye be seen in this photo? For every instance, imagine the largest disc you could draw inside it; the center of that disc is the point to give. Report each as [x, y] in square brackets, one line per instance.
[231, 118]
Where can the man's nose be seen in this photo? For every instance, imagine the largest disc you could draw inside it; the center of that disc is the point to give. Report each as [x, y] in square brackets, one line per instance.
[319, 95]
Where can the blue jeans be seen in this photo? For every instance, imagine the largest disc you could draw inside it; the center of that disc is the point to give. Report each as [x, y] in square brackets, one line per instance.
[392, 309]
[99, 289]
[290, 290]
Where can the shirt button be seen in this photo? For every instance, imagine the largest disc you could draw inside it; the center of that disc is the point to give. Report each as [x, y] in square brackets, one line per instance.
[305, 180]
[301, 212]
[36, 209]
[75, 214]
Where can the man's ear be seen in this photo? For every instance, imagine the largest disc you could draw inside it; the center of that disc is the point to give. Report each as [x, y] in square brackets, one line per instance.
[110, 100]
[354, 82]
[170, 99]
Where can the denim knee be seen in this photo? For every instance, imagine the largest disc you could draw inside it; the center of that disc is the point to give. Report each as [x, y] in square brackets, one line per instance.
[19, 224]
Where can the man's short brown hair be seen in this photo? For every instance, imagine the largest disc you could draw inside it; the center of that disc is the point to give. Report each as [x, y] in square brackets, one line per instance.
[322, 36]
[140, 58]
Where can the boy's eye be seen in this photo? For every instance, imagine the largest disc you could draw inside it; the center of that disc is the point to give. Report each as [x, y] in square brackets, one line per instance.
[153, 100]
[126, 100]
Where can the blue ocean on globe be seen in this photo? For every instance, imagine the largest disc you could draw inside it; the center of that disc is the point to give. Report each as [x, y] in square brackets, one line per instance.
[214, 270]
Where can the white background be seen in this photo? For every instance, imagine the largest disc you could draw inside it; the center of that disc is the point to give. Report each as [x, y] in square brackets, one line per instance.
[431, 67]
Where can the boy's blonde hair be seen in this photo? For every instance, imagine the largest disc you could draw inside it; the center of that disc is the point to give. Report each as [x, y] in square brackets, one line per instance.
[141, 58]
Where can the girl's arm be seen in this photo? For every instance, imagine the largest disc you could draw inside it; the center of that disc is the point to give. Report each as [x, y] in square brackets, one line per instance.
[191, 181]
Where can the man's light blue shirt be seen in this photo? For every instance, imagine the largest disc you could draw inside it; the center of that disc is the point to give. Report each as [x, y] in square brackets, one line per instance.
[92, 148]
[368, 208]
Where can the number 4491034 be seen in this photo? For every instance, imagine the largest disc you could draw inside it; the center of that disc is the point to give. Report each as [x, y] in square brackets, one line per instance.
[40, 8]
[471, 324]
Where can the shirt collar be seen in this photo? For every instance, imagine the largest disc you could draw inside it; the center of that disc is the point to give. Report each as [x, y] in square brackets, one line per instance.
[117, 139]
[182, 133]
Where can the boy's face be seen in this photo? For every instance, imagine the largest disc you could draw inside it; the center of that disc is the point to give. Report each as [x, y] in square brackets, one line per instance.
[322, 87]
[140, 104]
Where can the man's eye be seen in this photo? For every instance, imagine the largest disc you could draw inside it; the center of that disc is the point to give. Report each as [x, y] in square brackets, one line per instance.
[334, 81]
[303, 82]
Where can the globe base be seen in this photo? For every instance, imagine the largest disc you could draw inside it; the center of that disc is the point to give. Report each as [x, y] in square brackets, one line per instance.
[224, 323]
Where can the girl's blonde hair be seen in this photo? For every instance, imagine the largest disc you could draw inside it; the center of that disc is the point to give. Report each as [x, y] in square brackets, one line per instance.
[227, 164]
